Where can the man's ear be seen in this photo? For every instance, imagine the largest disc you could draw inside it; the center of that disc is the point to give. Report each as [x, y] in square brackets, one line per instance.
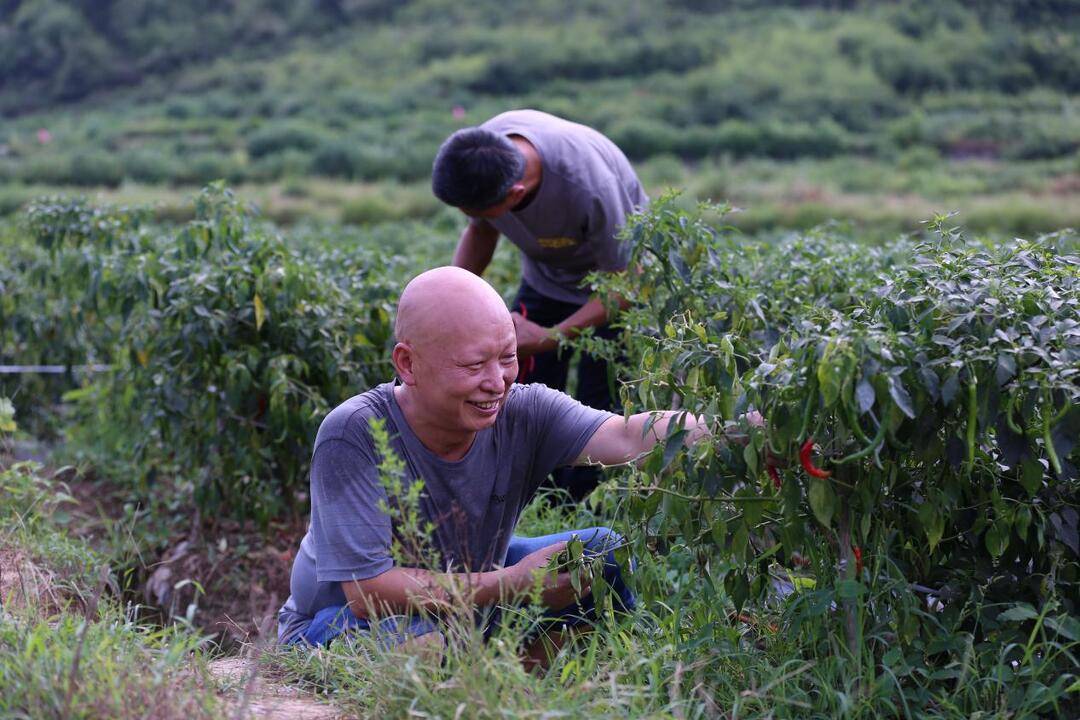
[403, 358]
[515, 194]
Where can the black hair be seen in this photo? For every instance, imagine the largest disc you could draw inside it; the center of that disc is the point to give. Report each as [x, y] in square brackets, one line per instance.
[475, 169]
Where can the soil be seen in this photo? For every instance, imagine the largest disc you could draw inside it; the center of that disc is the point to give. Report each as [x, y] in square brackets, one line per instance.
[23, 584]
[236, 574]
[243, 572]
[252, 695]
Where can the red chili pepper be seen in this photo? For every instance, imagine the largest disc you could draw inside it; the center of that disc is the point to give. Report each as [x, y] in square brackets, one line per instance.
[808, 464]
[858, 560]
[776, 481]
[529, 363]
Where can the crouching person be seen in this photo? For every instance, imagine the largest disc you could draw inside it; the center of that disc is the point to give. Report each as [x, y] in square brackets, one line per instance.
[481, 445]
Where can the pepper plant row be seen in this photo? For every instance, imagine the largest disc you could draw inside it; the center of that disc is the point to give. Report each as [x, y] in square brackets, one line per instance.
[228, 344]
[922, 398]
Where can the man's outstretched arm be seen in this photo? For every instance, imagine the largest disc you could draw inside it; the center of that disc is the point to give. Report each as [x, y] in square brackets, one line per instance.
[621, 440]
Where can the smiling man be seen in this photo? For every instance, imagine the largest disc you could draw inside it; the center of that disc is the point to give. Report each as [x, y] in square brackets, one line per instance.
[480, 444]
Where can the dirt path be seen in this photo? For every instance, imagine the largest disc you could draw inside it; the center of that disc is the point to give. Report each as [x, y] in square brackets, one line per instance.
[251, 695]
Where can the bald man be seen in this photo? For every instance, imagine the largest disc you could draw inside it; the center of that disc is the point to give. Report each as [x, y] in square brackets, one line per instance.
[480, 443]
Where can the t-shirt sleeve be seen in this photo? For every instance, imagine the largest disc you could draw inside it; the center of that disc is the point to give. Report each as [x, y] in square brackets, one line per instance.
[351, 534]
[561, 426]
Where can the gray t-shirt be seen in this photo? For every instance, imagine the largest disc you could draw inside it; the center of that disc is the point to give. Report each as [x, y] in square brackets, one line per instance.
[473, 502]
[587, 190]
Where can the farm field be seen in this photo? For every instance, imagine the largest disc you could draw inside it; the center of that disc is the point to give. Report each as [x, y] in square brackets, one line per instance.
[863, 226]
[932, 378]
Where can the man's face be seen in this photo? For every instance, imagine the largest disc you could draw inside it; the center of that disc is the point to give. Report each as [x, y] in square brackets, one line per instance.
[462, 381]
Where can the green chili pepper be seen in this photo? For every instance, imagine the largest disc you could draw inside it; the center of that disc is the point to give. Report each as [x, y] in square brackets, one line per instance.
[1009, 414]
[972, 419]
[1048, 440]
[1060, 414]
[854, 425]
[859, 455]
[810, 398]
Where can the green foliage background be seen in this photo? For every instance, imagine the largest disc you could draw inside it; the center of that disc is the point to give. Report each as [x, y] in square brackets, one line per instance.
[936, 373]
[185, 93]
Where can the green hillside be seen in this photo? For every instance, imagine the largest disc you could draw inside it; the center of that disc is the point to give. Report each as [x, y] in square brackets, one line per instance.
[257, 91]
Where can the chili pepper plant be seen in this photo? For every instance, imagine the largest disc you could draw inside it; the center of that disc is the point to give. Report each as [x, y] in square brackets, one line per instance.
[921, 399]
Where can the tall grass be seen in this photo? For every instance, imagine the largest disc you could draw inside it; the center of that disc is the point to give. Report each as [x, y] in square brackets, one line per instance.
[687, 653]
[68, 649]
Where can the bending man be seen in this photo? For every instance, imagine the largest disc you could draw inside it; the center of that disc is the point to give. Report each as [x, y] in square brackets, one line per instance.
[560, 192]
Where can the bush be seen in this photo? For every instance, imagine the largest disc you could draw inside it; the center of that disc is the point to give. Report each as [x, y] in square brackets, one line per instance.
[278, 136]
[934, 384]
[337, 159]
[231, 350]
[289, 163]
[150, 166]
[205, 168]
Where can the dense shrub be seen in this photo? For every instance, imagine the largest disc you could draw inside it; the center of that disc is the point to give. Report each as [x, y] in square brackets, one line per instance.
[933, 382]
[337, 158]
[278, 136]
[229, 346]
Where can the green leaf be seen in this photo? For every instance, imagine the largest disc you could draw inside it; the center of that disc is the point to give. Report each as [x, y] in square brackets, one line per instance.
[996, 538]
[949, 388]
[750, 456]
[901, 397]
[672, 446]
[1022, 520]
[575, 580]
[7, 416]
[752, 511]
[828, 382]
[822, 500]
[846, 589]
[1031, 475]
[864, 395]
[1068, 627]
[739, 542]
[719, 531]
[1006, 368]
[260, 312]
[1018, 613]
[738, 588]
[622, 559]
[932, 522]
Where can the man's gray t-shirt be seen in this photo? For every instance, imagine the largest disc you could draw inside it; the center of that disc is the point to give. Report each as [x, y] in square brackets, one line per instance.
[473, 502]
[587, 190]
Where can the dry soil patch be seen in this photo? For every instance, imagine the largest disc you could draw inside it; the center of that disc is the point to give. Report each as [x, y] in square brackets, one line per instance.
[251, 695]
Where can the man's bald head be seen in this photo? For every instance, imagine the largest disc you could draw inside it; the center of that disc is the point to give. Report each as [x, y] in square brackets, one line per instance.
[439, 305]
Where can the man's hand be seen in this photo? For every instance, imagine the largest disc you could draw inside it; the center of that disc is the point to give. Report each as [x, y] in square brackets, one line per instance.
[558, 592]
[621, 440]
[532, 338]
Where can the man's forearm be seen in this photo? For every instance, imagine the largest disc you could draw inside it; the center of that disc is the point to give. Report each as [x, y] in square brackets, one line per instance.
[622, 440]
[476, 247]
[400, 589]
[592, 314]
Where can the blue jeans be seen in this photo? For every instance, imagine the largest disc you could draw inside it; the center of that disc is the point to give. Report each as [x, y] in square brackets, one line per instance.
[330, 622]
